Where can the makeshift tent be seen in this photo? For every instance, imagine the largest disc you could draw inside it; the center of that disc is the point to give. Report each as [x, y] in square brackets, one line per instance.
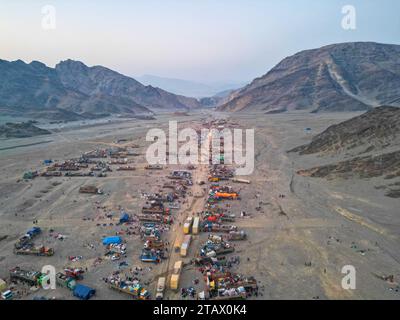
[124, 218]
[28, 175]
[34, 231]
[112, 240]
[83, 292]
[47, 162]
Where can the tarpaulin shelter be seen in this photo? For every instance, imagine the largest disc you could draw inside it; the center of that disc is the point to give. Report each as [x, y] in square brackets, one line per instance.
[83, 292]
[124, 218]
[112, 240]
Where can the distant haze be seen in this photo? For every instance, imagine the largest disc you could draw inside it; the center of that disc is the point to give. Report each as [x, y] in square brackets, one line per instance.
[189, 88]
[203, 41]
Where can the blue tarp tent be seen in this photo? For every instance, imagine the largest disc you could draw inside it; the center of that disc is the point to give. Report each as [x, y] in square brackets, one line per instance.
[124, 218]
[47, 162]
[111, 240]
[34, 231]
[83, 292]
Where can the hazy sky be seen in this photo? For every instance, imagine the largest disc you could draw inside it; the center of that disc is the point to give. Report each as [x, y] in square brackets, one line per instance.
[203, 40]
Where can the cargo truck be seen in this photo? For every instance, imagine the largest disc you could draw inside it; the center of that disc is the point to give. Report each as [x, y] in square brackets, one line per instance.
[155, 218]
[74, 273]
[187, 226]
[185, 245]
[177, 244]
[218, 261]
[178, 267]
[28, 237]
[36, 251]
[196, 225]
[241, 180]
[160, 288]
[90, 189]
[64, 281]
[154, 244]
[237, 235]
[29, 277]
[174, 283]
[215, 227]
[155, 210]
[226, 195]
[137, 292]
[149, 256]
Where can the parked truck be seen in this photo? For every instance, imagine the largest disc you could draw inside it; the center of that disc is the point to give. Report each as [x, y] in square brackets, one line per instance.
[215, 227]
[64, 281]
[137, 292]
[185, 245]
[149, 256]
[28, 237]
[228, 217]
[218, 261]
[160, 288]
[126, 168]
[90, 189]
[36, 251]
[29, 277]
[154, 244]
[157, 209]
[158, 218]
[226, 195]
[187, 226]
[233, 295]
[196, 225]
[174, 281]
[237, 235]
[74, 273]
[241, 180]
[154, 167]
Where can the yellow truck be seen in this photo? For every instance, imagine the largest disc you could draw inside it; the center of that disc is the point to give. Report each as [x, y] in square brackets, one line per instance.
[177, 245]
[187, 226]
[196, 225]
[174, 283]
[185, 245]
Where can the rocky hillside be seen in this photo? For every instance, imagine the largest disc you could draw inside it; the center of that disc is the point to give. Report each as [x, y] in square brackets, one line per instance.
[387, 165]
[21, 130]
[366, 146]
[338, 77]
[74, 91]
[99, 81]
[370, 132]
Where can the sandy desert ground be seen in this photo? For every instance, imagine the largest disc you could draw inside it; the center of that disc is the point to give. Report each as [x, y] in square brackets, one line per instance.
[297, 244]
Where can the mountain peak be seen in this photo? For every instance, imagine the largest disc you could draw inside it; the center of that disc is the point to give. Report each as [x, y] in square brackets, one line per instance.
[72, 90]
[71, 64]
[349, 76]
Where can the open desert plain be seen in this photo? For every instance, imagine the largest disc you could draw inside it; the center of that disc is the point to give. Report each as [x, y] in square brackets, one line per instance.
[303, 229]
